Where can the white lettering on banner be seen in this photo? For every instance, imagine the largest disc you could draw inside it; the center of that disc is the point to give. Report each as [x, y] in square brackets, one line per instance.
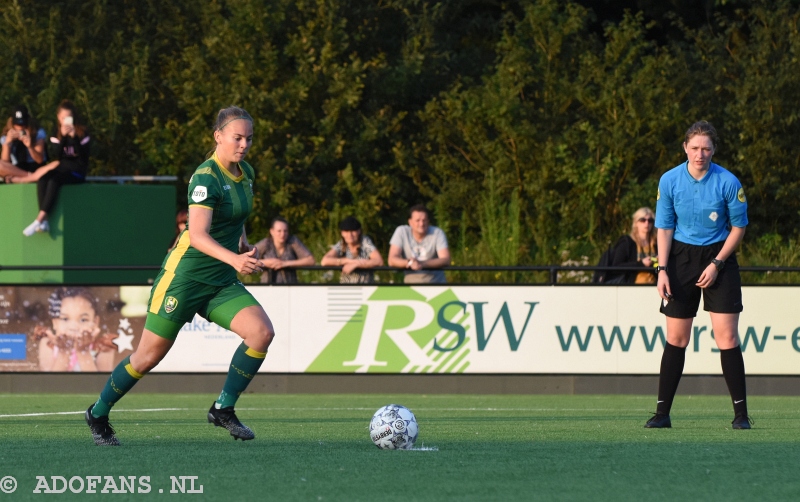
[373, 327]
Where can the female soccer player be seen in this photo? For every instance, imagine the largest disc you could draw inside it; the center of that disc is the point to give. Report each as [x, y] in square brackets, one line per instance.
[701, 215]
[198, 276]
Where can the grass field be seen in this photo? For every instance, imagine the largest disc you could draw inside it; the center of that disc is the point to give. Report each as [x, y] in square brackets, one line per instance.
[316, 447]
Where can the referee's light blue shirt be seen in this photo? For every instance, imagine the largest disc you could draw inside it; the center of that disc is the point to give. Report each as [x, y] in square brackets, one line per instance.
[700, 211]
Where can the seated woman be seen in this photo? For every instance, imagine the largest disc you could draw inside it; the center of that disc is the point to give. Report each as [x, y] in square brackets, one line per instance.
[354, 253]
[69, 148]
[280, 252]
[637, 249]
[22, 145]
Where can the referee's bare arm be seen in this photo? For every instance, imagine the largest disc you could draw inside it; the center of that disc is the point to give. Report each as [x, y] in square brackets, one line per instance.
[664, 239]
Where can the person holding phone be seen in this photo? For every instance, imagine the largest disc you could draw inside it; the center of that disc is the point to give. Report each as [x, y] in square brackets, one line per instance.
[637, 249]
[23, 145]
[701, 215]
[69, 147]
[199, 276]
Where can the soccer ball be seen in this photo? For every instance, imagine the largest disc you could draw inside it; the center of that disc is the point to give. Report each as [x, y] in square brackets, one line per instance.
[393, 427]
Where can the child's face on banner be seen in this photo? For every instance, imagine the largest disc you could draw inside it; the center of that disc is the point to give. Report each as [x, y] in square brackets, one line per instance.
[77, 318]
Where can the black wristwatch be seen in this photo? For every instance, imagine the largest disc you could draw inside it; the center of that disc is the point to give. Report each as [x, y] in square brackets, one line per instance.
[660, 268]
[718, 263]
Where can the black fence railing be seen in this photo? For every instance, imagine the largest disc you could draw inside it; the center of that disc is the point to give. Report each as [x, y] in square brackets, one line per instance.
[519, 274]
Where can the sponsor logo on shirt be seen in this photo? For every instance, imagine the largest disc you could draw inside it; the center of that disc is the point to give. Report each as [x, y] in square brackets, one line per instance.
[713, 216]
[199, 194]
[226, 187]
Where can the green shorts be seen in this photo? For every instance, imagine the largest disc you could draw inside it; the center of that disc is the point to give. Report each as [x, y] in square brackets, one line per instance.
[174, 301]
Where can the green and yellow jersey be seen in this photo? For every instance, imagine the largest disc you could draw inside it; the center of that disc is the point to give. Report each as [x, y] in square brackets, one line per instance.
[231, 199]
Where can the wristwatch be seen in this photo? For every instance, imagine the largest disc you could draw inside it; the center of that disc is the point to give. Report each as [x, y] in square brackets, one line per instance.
[660, 268]
[718, 263]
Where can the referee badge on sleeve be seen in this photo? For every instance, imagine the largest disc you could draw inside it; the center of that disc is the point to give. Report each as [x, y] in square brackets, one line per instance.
[740, 196]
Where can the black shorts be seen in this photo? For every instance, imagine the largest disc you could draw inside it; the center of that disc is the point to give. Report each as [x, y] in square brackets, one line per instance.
[686, 263]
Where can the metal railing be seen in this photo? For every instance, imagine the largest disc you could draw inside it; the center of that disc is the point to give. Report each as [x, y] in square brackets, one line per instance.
[555, 274]
[122, 179]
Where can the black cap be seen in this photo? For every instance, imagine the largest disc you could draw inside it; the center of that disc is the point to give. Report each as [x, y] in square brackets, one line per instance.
[349, 223]
[20, 116]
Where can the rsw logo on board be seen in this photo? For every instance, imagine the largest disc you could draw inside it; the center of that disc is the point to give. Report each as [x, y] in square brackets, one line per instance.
[400, 330]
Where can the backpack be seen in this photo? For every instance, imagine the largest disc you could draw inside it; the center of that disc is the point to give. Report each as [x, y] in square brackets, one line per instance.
[599, 276]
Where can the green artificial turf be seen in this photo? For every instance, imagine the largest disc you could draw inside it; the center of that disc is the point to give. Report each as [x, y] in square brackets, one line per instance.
[316, 447]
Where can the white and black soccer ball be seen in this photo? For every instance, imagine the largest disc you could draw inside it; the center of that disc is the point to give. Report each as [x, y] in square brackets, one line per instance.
[394, 427]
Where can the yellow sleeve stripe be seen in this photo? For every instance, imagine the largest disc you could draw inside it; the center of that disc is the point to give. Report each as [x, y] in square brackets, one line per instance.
[206, 170]
[132, 372]
[161, 290]
[201, 205]
[255, 354]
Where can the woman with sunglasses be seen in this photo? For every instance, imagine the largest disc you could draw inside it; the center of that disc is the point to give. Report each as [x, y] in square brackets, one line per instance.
[637, 249]
[701, 215]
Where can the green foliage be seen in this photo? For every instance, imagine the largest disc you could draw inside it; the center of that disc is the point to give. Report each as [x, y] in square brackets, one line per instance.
[532, 132]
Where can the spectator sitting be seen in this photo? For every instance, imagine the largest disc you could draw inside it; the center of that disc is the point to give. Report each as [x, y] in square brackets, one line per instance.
[180, 225]
[280, 252]
[22, 145]
[638, 249]
[70, 149]
[354, 253]
[419, 248]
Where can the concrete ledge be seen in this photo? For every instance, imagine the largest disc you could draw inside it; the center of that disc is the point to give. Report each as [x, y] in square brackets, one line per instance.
[271, 383]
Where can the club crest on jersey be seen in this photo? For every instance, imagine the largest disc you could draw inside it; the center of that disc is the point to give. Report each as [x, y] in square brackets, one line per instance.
[740, 196]
[170, 304]
[199, 193]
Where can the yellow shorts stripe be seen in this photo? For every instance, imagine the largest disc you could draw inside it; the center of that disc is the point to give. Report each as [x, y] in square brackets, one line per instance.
[132, 372]
[255, 354]
[176, 254]
[161, 290]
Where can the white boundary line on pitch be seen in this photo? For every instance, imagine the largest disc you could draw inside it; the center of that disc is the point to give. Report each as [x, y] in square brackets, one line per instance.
[84, 411]
[145, 410]
[54, 413]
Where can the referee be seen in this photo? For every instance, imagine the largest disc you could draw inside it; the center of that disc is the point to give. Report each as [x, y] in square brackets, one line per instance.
[701, 215]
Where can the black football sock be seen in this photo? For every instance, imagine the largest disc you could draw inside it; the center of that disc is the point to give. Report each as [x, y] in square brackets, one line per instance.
[671, 370]
[733, 370]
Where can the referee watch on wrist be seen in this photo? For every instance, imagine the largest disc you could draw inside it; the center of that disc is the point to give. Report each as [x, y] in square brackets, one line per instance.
[660, 268]
[718, 263]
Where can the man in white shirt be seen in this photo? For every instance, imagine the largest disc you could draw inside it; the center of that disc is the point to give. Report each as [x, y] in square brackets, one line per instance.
[419, 248]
